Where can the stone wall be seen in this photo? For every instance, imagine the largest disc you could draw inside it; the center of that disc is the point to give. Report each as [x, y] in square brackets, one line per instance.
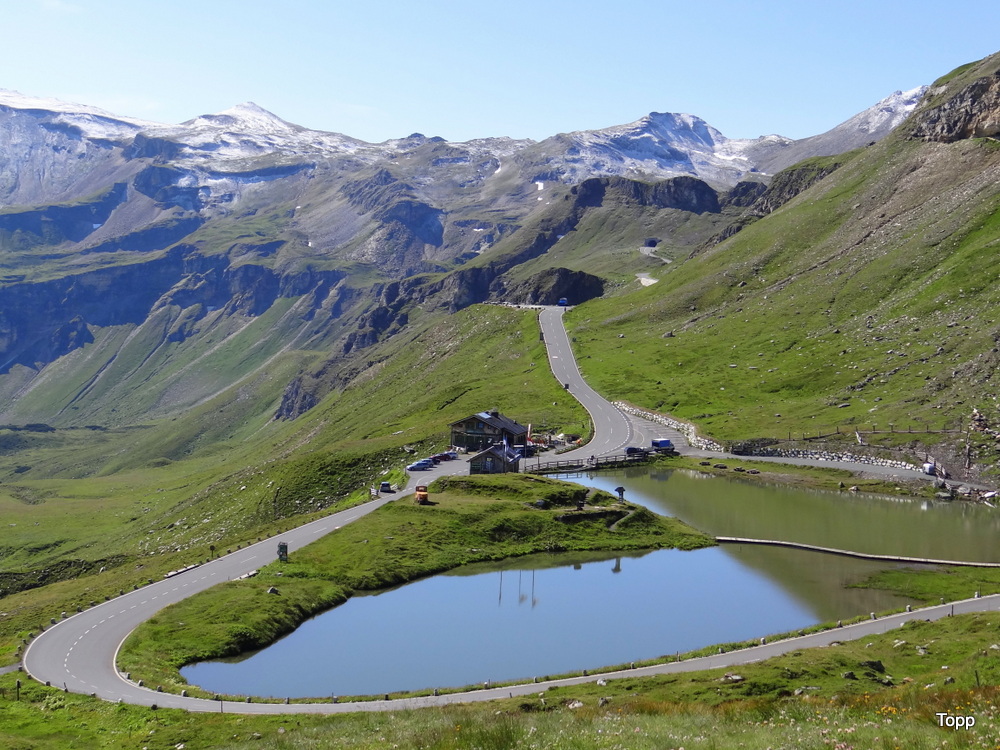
[853, 458]
[690, 432]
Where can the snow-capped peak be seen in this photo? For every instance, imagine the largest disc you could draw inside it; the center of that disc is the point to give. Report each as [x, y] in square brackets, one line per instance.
[664, 144]
[246, 117]
[661, 126]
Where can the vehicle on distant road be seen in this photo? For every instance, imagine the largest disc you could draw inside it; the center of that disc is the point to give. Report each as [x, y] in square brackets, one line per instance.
[385, 487]
[422, 465]
[563, 302]
[662, 445]
[634, 451]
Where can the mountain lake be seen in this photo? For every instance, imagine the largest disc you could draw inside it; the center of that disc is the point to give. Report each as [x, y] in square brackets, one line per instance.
[548, 614]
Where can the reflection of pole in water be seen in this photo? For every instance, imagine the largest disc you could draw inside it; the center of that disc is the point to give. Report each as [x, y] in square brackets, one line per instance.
[618, 565]
[534, 601]
[500, 598]
[520, 597]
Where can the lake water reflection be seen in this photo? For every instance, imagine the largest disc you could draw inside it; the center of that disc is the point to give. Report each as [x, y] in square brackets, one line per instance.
[530, 619]
[549, 614]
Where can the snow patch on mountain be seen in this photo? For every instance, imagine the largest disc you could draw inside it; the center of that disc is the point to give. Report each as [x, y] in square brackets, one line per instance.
[92, 122]
[17, 100]
[873, 124]
[248, 131]
[660, 145]
[886, 114]
[657, 146]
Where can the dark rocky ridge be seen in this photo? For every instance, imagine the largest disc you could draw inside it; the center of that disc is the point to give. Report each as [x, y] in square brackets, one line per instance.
[683, 193]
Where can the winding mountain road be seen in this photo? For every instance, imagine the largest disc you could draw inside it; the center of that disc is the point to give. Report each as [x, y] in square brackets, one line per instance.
[612, 429]
[79, 653]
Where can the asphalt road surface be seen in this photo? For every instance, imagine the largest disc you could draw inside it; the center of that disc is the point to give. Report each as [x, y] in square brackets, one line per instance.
[613, 431]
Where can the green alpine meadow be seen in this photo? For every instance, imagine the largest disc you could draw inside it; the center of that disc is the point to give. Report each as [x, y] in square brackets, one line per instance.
[199, 351]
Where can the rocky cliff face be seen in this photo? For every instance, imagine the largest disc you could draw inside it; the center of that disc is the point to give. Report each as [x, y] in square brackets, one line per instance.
[974, 112]
[45, 159]
[682, 193]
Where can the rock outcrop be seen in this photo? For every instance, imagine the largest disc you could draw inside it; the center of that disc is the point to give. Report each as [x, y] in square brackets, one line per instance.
[552, 284]
[682, 193]
[974, 112]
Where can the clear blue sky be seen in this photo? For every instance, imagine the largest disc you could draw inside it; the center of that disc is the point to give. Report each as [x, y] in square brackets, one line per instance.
[464, 69]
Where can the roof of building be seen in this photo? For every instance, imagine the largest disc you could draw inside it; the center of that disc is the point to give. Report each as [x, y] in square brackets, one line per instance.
[498, 420]
[499, 452]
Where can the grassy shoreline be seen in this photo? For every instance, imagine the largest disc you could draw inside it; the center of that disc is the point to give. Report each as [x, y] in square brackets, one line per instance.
[884, 691]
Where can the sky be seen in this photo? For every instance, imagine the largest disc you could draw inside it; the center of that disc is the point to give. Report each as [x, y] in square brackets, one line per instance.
[464, 69]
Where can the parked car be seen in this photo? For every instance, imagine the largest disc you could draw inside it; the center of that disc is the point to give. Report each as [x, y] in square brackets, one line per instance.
[385, 487]
[634, 451]
[422, 465]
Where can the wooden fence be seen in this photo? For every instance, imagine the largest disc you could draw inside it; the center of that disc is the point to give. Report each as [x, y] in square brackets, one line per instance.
[585, 464]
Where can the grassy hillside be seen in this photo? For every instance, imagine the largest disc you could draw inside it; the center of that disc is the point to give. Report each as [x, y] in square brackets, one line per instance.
[610, 241]
[184, 483]
[866, 300]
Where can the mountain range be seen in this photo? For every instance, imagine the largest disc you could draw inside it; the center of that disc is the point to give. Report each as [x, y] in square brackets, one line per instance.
[214, 326]
[115, 230]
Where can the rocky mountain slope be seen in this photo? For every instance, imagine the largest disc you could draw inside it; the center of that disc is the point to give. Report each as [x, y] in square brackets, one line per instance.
[141, 262]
